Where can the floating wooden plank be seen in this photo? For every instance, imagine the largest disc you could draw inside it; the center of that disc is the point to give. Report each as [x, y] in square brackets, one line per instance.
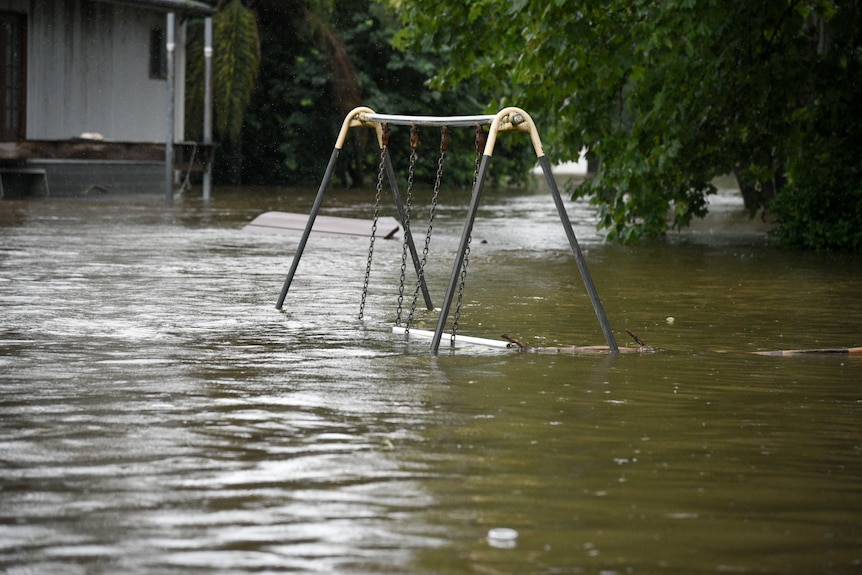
[586, 350]
[286, 223]
[822, 351]
[581, 349]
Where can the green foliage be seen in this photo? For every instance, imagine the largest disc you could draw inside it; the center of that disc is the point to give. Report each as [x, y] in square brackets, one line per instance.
[667, 94]
[821, 207]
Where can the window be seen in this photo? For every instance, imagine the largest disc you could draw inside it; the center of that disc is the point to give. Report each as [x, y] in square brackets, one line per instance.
[158, 55]
[13, 65]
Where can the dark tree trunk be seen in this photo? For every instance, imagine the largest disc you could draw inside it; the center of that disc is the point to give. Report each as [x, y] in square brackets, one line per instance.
[758, 194]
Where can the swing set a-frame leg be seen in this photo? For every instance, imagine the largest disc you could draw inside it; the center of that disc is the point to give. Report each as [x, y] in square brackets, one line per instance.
[579, 256]
[315, 208]
[462, 252]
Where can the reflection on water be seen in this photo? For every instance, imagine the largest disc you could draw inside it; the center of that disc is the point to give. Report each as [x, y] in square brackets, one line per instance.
[158, 415]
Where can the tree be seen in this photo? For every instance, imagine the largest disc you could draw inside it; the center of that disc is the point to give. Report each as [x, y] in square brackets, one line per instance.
[669, 95]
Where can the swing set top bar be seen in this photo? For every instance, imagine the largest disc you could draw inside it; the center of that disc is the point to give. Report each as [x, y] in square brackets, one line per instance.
[400, 120]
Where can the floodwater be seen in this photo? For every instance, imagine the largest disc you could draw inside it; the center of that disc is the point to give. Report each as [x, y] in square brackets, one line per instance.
[159, 415]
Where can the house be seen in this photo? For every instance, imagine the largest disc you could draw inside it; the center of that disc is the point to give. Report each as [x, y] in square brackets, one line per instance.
[84, 95]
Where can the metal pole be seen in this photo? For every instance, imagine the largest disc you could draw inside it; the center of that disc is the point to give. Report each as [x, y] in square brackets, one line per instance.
[208, 105]
[311, 217]
[462, 250]
[169, 141]
[408, 234]
[579, 256]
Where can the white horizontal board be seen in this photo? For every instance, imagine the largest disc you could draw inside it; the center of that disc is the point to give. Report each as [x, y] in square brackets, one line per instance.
[459, 339]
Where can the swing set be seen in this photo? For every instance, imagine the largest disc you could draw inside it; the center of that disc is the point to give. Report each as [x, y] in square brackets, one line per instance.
[507, 119]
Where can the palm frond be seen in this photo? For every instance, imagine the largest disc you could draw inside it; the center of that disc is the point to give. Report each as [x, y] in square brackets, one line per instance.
[236, 62]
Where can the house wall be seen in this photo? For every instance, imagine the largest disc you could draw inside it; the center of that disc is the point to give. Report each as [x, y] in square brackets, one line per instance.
[88, 71]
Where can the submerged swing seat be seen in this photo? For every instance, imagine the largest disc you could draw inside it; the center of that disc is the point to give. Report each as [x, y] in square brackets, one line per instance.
[286, 222]
[508, 119]
[513, 345]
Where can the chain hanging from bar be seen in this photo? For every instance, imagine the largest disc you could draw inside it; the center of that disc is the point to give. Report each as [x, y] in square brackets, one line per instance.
[481, 139]
[414, 143]
[380, 172]
[435, 198]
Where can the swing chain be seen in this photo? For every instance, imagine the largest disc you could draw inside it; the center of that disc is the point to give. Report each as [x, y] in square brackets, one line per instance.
[414, 143]
[380, 171]
[461, 290]
[481, 139]
[435, 198]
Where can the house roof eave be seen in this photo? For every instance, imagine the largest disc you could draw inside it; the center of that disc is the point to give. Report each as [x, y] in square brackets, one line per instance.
[191, 7]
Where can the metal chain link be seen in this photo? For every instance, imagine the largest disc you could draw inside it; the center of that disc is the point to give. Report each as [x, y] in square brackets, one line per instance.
[414, 143]
[380, 172]
[461, 290]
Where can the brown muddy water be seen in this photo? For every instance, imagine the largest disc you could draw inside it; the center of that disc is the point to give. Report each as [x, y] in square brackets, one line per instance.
[159, 415]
